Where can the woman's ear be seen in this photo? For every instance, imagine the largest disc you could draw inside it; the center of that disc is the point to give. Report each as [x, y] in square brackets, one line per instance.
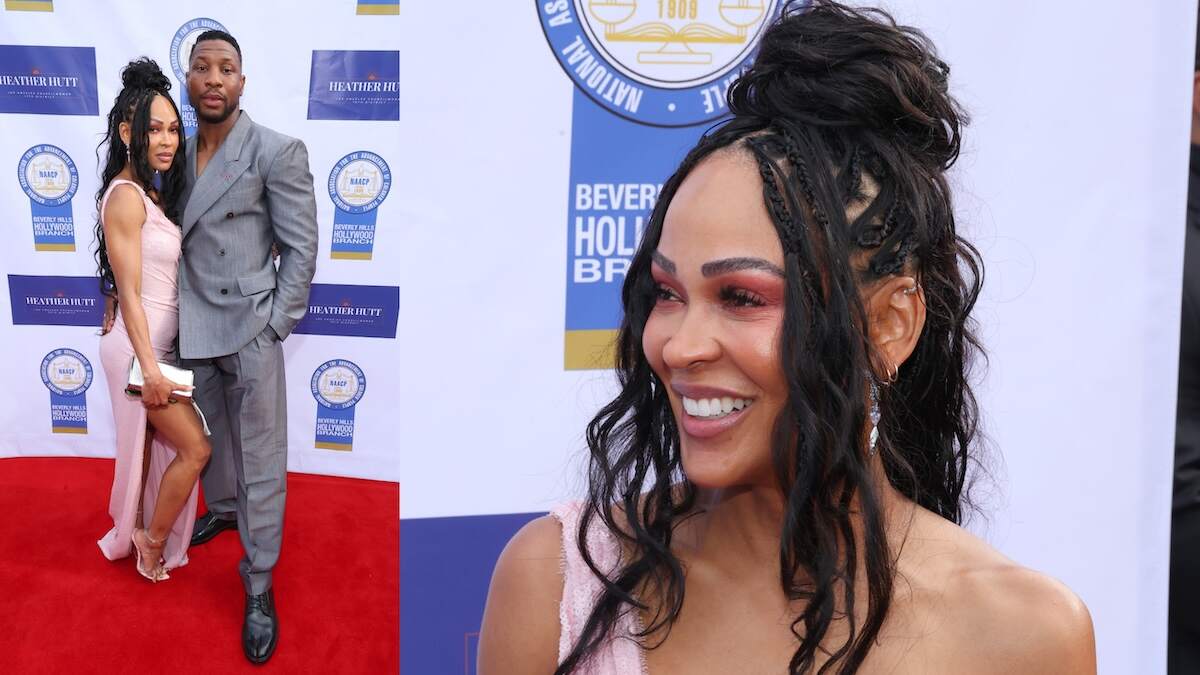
[125, 133]
[896, 317]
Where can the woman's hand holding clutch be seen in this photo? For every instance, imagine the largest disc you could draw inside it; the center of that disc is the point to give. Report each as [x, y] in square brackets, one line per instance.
[158, 390]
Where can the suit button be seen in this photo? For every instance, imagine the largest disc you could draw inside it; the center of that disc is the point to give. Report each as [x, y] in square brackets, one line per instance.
[229, 215]
[221, 252]
[224, 291]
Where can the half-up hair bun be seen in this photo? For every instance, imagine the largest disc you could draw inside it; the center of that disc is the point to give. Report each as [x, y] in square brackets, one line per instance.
[144, 74]
[829, 65]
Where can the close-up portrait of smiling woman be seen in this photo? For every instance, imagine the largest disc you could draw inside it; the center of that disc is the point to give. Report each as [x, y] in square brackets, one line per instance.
[780, 482]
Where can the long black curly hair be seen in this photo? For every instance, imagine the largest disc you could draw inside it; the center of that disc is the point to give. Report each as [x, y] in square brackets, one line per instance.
[141, 81]
[841, 107]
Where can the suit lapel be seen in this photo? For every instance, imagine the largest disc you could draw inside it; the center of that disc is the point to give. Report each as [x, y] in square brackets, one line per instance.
[189, 173]
[220, 174]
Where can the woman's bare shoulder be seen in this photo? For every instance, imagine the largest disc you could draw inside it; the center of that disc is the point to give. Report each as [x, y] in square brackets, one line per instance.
[1025, 619]
[990, 610]
[520, 622]
[124, 208]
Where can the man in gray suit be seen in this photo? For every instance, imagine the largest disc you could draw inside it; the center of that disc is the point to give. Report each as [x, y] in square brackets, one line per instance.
[249, 190]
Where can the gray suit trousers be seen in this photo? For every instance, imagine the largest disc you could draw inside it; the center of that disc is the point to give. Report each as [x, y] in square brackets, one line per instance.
[243, 396]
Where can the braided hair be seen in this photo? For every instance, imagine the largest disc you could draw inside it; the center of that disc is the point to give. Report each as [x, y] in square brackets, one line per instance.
[142, 80]
[844, 111]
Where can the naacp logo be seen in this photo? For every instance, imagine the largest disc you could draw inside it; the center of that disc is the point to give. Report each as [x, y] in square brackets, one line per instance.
[359, 182]
[49, 178]
[660, 62]
[338, 384]
[47, 175]
[66, 372]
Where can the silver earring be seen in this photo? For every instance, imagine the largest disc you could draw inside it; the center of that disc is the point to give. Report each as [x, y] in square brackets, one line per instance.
[874, 416]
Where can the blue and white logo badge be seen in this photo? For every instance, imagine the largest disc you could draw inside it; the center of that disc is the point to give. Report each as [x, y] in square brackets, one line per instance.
[181, 55]
[347, 309]
[338, 386]
[67, 374]
[665, 63]
[358, 184]
[354, 85]
[55, 301]
[38, 80]
[49, 178]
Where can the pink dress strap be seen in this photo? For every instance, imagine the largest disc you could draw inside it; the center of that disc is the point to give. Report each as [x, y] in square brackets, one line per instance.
[620, 654]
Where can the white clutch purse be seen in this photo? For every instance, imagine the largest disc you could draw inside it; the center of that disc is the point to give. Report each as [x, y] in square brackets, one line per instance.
[176, 375]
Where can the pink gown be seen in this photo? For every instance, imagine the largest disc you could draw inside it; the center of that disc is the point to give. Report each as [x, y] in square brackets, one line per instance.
[620, 654]
[161, 242]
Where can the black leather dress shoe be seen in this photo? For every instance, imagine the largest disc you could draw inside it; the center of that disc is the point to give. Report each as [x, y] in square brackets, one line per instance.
[260, 632]
[209, 525]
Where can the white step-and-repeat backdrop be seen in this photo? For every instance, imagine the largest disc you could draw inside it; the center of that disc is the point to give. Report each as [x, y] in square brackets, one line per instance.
[324, 72]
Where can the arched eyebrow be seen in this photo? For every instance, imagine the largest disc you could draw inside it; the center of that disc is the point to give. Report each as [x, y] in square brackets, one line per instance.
[724, 266]
[664, 262]
[718, 267]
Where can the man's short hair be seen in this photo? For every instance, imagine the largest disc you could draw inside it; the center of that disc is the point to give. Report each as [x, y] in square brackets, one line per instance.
[217, 35]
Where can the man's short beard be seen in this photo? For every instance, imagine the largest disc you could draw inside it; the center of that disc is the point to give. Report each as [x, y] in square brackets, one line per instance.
[224, 115]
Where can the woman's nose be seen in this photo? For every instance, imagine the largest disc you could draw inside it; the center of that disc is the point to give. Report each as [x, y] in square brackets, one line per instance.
[693, 342]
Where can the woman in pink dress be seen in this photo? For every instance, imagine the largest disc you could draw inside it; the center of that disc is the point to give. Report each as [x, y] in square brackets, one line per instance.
[161, 442]
[779, 483]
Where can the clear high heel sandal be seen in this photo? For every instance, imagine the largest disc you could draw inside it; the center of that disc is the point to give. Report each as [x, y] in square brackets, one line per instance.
[142, 544]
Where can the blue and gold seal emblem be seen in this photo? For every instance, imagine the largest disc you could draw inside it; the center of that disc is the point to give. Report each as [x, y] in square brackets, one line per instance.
[337, 385]
[49, 178]
[658, 62]
[358, 184]
[67, 374]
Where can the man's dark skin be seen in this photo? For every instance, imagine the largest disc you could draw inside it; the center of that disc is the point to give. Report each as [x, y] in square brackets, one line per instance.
[214, 83]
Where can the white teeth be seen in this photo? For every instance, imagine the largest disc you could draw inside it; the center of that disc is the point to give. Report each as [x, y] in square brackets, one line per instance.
[713, 407]
[690, 407]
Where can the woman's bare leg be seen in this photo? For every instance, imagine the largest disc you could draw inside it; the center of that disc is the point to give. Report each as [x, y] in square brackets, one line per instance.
[141, 520]
[179, 425]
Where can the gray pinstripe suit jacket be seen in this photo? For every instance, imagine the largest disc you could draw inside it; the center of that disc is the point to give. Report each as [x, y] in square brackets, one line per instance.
[256, 190]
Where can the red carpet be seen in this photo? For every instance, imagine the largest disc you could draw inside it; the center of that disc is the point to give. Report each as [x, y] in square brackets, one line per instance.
[64, 608]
